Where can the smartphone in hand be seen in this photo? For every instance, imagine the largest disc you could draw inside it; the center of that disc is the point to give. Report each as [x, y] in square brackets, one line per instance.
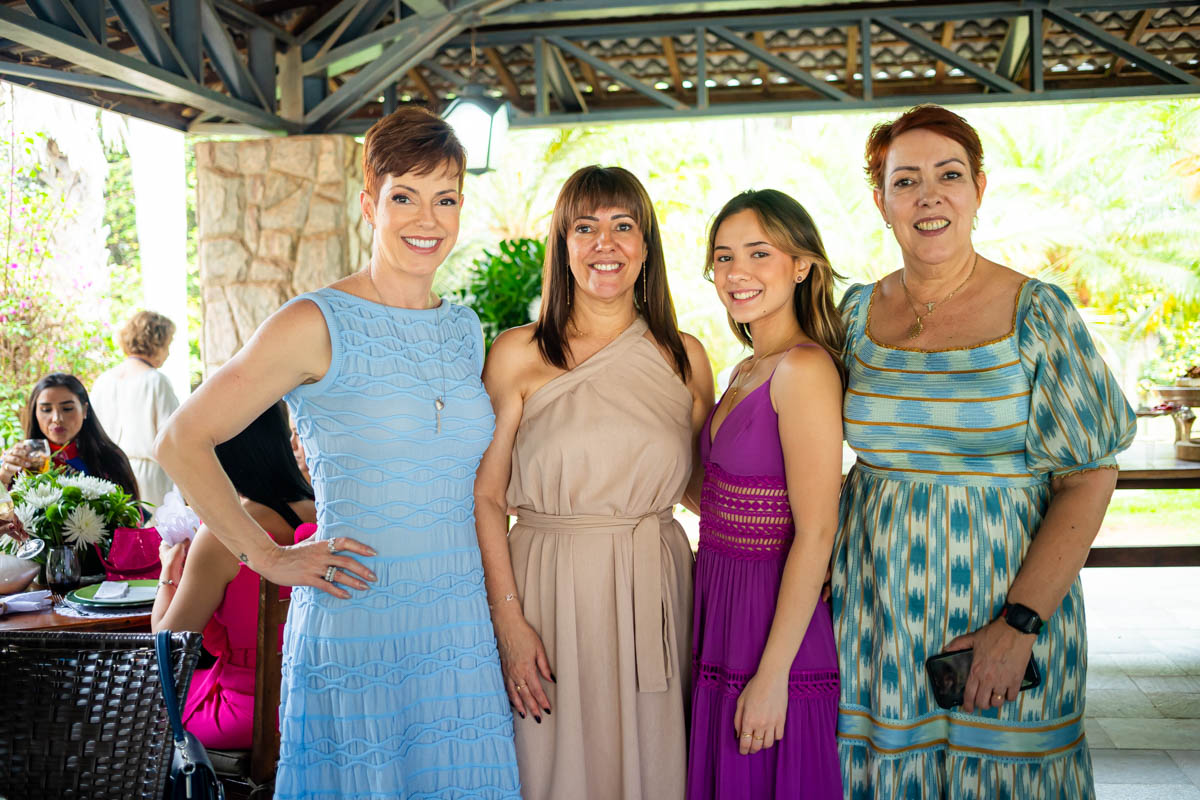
[948, 676]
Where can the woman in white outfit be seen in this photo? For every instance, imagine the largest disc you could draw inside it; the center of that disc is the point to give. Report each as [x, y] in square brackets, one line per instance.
[134, 399]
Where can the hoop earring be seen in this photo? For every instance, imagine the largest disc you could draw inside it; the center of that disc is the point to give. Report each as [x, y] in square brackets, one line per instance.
[887, 225]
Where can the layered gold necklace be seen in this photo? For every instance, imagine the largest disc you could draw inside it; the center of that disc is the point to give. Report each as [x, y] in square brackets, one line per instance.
[744, 374]
[917, 327]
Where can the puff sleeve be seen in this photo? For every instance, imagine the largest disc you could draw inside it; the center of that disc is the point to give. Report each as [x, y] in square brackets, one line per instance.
[1078, 417]
[852, 316]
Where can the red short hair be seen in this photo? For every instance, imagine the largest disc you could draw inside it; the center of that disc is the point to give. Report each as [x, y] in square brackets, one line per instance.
[410, 139]
[941, 121]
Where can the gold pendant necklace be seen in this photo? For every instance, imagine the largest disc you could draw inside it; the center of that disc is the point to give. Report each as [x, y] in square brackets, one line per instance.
[439, 403]
[918, 327]
[743, 374]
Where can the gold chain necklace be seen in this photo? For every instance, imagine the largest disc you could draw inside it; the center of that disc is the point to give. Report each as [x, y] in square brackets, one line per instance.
[754, 362]
[917, 327]
[439, 401]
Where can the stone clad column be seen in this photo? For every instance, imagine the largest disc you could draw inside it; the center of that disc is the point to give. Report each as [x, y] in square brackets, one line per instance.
[276, 218]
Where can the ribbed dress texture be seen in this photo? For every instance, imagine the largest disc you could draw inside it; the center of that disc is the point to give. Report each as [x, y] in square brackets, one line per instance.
[396, 692]
[956, 450]
[604, 573]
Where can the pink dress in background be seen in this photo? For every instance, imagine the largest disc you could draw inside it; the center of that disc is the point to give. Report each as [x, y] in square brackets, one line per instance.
[220, 706]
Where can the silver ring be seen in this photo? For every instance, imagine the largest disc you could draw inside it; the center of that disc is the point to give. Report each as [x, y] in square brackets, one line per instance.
[329, 573]
[332, 547]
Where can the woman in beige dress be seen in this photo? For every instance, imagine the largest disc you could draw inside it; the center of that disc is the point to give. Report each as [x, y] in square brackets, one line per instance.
[597, 408]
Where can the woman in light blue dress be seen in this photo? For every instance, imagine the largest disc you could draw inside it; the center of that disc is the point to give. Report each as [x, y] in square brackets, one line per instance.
[986, 426]
[391, 680]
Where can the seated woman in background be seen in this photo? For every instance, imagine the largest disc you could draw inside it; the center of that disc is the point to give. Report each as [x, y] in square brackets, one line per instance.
[134, 399]
[260, 465]
[60, 412]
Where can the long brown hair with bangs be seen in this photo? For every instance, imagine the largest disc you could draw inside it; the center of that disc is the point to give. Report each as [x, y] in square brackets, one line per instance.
[589, 189]
[789, 227]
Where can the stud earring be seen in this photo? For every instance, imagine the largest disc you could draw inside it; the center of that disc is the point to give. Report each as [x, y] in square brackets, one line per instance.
[975, 223]
[887, 224]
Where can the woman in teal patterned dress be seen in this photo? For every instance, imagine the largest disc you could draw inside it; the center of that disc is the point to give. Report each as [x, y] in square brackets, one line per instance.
[986, 427]
[393, 690]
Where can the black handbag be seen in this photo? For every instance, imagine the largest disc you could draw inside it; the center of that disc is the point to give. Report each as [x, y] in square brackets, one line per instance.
[192, 775]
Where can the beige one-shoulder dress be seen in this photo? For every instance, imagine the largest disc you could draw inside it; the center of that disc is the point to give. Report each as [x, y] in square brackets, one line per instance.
[604, 571]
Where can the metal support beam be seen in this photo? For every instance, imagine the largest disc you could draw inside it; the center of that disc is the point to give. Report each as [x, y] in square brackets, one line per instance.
[226, 59]
[456, 81]
[63, 78]
[61, 14]
[94, 13]
[129, 106]
[32, 32]
[142, 24]
[1155, 66]
[363, 46]
[864, 41]
[340, 28]
[541, 93]
[1135, 36]
[1037, 28]
[389, 99]
[184, 18]
[260, 50]
[427, 8]
[780, 64]
[371, 79]
[561, 83]
[984, 76]
[1014, 54]
[615, 74]
[701, 68]
[235, 11]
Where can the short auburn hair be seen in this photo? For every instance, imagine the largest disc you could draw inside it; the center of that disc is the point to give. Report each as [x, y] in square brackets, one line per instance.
[410, 139]
[145, 334]
[941, 121]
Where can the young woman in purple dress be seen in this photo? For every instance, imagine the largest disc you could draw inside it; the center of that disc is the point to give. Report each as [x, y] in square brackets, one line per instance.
[765, 689]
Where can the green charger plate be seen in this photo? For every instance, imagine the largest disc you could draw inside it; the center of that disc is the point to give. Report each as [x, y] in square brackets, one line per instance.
[85, 595]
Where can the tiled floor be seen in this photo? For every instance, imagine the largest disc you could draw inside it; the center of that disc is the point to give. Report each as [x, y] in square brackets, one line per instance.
[1143, 699]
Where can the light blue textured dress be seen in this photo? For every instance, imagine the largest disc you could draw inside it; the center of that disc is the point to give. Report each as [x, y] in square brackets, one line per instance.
[396, 692]
[956, 449]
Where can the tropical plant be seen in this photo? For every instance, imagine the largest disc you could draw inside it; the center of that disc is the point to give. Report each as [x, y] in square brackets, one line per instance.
[505, 286]
[70, 509]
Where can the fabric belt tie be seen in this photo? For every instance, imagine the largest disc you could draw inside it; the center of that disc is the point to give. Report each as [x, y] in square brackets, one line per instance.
[651, 647]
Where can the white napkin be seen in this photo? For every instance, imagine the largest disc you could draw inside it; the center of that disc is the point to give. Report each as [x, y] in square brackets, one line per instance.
[173, 519]
[111, 590]
[25, 601]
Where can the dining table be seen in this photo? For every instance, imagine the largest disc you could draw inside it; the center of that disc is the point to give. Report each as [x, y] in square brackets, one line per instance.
[51, 620]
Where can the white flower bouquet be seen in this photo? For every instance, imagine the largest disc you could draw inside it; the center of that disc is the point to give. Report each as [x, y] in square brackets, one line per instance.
[70, 510]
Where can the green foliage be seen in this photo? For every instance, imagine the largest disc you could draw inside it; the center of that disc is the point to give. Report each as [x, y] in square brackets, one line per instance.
[41, 331]
[121, 241]
[504, 286]
[74, 509]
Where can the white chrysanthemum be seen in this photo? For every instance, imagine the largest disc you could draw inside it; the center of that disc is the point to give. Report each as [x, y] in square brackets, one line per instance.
[22, 481]
[39, 497]
[25, 513]
[7, 544]
[92, 488]
[83, 526]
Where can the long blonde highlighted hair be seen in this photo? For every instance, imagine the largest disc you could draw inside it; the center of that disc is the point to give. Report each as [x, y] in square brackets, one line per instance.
[789, 227]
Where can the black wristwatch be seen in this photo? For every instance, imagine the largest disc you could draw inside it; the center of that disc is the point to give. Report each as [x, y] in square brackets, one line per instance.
[1023, 618]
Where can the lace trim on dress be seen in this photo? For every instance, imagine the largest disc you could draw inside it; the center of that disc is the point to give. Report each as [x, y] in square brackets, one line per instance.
[744, 516]
[801, 683]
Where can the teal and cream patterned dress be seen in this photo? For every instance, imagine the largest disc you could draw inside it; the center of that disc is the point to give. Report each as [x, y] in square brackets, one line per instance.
[956, 449]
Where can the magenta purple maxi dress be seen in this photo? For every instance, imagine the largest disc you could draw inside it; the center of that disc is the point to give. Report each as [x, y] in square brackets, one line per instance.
[746, 531]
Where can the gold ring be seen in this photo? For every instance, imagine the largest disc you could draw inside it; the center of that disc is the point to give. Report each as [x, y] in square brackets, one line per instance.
[759, 738]
[520, 687]
[746, 736]
[997, 696]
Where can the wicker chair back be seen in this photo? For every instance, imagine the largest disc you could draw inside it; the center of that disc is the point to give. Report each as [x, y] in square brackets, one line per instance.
[84, 715]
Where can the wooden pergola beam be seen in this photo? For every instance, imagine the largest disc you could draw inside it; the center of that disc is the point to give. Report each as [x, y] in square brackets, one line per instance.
[1135, 35]
[939, 71]
[502, 74]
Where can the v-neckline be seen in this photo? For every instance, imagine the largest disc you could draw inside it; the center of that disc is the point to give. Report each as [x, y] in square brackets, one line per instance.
[712, 434]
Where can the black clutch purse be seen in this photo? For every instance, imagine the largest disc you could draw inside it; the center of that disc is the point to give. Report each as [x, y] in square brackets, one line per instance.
[192, 775]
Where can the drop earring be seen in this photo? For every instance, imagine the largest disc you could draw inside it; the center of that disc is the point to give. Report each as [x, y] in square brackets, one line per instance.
[643, 284]
[975, 223]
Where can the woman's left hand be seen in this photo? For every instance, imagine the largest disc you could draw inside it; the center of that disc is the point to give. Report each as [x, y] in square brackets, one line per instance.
[171, 557]
[14, 528]
[1001, 655]
[761, 712]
